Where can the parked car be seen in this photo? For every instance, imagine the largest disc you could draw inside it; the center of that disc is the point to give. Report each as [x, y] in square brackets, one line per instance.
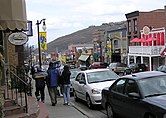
[88, 85]
[96, 65]
[83, 67]
[135, 67]
[117, 67]
[162, 68]
[140, 95]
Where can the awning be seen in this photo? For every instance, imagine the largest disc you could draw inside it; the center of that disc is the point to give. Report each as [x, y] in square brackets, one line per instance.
[151, 39]
[142, 40]
[13, 15]
[134, 40]
[83, 57]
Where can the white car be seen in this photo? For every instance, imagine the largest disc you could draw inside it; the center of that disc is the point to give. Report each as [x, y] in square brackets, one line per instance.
[88, 85]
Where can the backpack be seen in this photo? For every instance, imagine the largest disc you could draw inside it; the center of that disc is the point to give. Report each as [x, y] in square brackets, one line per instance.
[54, 75]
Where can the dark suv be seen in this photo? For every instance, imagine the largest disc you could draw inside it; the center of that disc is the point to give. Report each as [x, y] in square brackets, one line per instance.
[136, 67]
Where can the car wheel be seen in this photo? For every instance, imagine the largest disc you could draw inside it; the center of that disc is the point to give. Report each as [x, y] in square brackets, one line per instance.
[89, 103]
[75, 96]
[109, 110]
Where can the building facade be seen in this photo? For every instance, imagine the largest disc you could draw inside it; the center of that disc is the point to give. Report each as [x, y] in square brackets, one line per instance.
[116, 45]
[149, 29]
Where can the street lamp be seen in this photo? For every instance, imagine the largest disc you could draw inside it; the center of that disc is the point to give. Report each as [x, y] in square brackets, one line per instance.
[44, 28]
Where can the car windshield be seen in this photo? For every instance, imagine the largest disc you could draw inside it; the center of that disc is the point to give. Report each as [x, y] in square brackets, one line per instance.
[101, 76]
[112, 65]
[153, 86]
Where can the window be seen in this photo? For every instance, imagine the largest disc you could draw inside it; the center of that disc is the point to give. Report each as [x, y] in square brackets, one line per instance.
[119, 86]
[78, 77]
[129, 26]
[83, 77]
[131, 87]
[135, 26]
[116, 43]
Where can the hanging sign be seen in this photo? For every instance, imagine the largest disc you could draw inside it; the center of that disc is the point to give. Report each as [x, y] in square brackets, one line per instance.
[18, 38]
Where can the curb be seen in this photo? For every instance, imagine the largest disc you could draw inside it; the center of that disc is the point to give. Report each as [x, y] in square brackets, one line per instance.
[81, 110]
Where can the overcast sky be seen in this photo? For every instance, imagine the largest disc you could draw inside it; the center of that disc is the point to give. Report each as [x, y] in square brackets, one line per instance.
[67, 16]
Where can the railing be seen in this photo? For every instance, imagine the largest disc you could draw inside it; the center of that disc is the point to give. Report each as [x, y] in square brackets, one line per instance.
[18, 86]
[24, 76]
[146, 50]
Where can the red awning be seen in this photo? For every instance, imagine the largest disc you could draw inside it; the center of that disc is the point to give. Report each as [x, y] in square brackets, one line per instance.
[142, 40]
[151, 39]
[134, 40]
[163, 53]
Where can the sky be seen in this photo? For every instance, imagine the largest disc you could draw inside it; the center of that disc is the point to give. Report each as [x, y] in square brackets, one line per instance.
[64, 17]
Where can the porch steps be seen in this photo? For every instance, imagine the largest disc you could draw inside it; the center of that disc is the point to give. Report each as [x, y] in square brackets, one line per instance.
[15, 109]
[35, 109]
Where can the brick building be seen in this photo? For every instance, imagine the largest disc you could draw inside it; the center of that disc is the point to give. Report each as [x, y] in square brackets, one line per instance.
[147, 46]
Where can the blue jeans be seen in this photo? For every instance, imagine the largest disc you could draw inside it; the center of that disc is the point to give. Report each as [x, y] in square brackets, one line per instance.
[66, 93]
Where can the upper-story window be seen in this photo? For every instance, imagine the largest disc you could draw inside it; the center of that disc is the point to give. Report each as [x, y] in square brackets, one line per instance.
[135, 25]
[116, 44]
[129, 26]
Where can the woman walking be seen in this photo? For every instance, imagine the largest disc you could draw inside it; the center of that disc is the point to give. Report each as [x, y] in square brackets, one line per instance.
[65, 83]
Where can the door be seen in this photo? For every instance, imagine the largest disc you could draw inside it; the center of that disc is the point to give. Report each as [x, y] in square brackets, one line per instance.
[76, 85]
[83, 87]
[117, 95]
[134, 106]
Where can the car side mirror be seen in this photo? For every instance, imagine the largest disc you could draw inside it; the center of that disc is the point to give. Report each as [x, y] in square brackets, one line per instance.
[81, 81]
[134, 95]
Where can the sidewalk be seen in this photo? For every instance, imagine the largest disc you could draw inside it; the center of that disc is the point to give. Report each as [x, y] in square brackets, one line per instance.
[60, 110]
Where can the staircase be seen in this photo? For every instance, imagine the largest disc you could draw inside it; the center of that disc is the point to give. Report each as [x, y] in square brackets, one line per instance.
[18, 100]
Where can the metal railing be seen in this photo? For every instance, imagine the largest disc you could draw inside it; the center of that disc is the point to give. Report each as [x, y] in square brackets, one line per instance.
[18, 86]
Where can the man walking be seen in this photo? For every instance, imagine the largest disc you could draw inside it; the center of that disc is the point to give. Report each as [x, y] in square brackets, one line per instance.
[52, 82]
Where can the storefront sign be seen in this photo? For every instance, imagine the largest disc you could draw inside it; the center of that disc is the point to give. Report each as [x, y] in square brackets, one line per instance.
[18, 38]
[146, 30]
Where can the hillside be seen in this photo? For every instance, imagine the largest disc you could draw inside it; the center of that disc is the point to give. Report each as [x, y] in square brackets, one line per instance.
[82, 36]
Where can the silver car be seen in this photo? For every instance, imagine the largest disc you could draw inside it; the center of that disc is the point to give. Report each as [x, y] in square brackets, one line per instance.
[88, 85]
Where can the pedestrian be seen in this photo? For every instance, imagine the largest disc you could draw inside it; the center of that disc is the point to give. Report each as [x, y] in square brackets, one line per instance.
[40, 77]
[52, 82]
[65, 83]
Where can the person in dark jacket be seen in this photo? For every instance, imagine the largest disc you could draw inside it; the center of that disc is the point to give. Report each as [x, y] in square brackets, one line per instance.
[52, 82]
[40, 77]
[65, 82]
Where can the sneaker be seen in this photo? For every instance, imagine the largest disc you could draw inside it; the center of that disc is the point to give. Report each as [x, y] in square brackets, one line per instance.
[38, 98]
[53, 104]
[65, 104]
[68, 104]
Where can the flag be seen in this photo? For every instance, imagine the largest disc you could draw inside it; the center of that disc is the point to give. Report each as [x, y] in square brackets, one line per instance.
[43, 41]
